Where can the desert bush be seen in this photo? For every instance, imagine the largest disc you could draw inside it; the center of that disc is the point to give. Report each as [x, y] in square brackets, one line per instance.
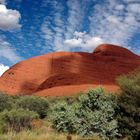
[97, 114]
[92, 114]
[16, 119]
[129, 102]
[64, 117]
[6, 102]
[34, 103]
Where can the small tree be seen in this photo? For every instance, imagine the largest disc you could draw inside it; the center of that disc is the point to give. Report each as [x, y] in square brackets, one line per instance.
[92, 114]
[97, 114]
[34, 103]
[129, 102]
[64, 118]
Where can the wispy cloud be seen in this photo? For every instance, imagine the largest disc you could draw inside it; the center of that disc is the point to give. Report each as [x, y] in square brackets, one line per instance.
[59, 27]
[47, 34]
[53, 27]
[56, 28]
[74, 17]
[7, 52]
[113, 22]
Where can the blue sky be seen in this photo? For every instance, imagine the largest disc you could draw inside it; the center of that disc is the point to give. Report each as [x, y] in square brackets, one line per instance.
[32, 27]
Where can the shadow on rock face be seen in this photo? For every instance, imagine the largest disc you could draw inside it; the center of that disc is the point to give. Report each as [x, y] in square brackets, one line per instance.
[69, 68]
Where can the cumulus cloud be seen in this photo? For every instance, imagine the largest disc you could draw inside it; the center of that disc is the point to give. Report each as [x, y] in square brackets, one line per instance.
[83, 40]
[3, 69]
[9, 19]
[73, 42]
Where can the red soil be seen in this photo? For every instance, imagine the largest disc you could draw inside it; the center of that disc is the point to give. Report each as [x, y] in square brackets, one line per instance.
[67, 73]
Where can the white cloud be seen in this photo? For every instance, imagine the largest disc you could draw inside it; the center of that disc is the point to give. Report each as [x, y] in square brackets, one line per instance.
[79, 34]
[134, 7]
[9, 19]
[83, 40]
[7, 52]
[3, 69]
[74, 17]
[73, 42]
[120, 7]
[47, 33]
[62, 30]
[53, 28]
[93, 42]
[112, 21]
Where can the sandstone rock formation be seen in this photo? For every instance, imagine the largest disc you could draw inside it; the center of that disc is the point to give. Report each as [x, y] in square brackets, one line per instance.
[67, 73]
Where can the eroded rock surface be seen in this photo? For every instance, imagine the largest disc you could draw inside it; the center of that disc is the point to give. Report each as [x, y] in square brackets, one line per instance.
[67, 73]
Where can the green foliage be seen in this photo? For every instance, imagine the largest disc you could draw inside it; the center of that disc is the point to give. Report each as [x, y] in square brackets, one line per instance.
[63, 117]
[98, 111]
[22, 109]
[6, 102]
[92, 114]
[129, 102]
[16, 119]
[34, 103]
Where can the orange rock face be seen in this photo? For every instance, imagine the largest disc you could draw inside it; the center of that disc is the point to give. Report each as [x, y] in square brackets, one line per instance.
[67, 73]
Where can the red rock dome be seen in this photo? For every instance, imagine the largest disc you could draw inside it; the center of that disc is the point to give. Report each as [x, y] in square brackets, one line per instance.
[113, 50]
[67, 73]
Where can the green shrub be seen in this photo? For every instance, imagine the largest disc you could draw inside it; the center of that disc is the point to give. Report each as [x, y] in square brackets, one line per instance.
[129, 102]
[34, 103]
[16, 119]
[97, 114]
[92, 114]
[64, 117]
[6, 102]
